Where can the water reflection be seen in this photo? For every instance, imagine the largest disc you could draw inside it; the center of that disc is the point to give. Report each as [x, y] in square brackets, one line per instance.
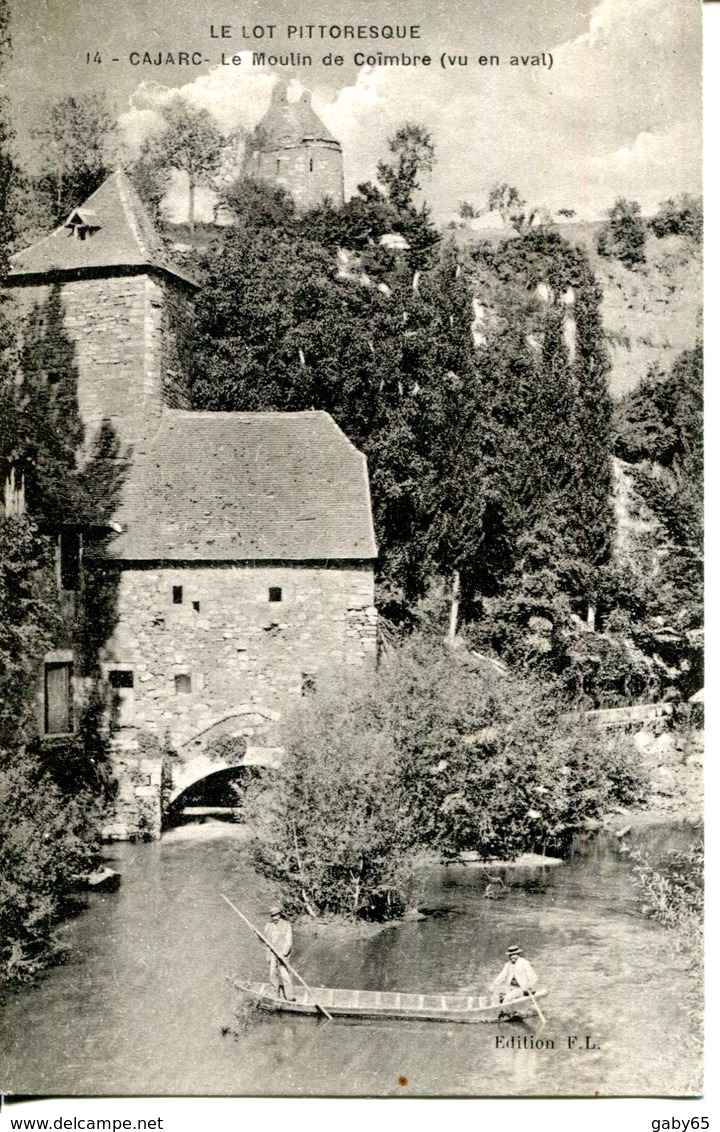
[141, 1006]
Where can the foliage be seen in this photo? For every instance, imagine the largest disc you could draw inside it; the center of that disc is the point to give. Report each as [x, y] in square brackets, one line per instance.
[660, 436]
[474, 454]
[468, 211]
[50, 793]
[189, 142]
[333, 827]
[544, 366]
[435, 752]
[413, 153]
[151, 181]
[506, 200]
[48, 841]
[29, 622]
[674, 896]
[681, 217]
[281, 327]
[623, 234]
[7, 165]
[75, 153]
[488, 760]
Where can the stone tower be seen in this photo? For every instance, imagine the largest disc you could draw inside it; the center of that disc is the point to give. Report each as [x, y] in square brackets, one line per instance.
[292, 148]
[126, 307]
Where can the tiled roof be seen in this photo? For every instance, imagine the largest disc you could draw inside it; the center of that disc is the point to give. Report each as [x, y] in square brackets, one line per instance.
[290, 123]
[110, 230]
[247, 486]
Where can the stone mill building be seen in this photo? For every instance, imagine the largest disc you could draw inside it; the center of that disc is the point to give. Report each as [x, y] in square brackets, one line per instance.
[292, 148]
[242, 548]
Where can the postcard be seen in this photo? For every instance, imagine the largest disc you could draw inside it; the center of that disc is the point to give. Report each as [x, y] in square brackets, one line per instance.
[352, 551]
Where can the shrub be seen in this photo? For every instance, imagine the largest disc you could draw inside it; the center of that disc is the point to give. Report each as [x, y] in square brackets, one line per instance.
[437, 751]
[623, 235]
[681, 217]
[47, 842]
[674, 896]
[333, 826]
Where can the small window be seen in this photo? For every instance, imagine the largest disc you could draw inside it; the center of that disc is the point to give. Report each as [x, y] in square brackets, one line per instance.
[70, 551]
[122, 707]
[58, 699]
[183, 684]
[275, 593]
[177, 595]
[309, 683]
[121, 678]
[196, 606]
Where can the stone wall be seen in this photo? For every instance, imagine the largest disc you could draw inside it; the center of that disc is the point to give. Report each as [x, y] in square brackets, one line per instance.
[129, 334]
[211, 654]
[137, 808]
[310, 171]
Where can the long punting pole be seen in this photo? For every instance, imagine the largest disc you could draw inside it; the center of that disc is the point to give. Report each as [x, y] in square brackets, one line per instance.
[283, 960]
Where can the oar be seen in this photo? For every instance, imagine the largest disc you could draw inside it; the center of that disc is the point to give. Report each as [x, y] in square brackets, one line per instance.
[540, 1013]
[283, 960]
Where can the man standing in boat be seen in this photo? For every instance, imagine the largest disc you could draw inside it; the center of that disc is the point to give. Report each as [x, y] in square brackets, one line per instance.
[516, 979]
[278, 932]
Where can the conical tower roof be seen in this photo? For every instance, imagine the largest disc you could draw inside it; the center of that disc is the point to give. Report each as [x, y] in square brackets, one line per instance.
[291, 123]
[110, 231]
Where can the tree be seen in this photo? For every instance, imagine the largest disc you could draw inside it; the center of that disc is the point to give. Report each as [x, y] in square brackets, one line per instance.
[257, 206]
[623, 234]
[544, 373]
[333, 828]
[468, 211]
[386, 351]
[76, 152]
[506, 200]
[660, 436]
[189, 142]
[151, 182]
[413, 151]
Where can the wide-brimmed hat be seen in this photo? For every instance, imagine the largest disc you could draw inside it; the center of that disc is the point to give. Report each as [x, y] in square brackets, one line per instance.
[514, 950]
[275, 910]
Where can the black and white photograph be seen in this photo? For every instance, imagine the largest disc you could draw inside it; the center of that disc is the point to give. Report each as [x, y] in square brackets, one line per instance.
[351, 551]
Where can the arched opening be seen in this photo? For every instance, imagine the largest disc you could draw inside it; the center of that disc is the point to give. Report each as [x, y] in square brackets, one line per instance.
[216, 797]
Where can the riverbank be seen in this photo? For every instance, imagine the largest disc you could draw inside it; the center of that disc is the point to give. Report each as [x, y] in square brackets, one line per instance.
[673, 761]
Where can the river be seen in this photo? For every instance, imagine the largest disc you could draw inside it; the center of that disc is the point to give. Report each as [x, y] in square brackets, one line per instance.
[140, 1005]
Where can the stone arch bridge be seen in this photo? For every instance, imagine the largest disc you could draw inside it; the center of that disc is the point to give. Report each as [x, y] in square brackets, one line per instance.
[148, 783]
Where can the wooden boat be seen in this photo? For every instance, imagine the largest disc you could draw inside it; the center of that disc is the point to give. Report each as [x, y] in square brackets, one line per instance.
[345, 1003]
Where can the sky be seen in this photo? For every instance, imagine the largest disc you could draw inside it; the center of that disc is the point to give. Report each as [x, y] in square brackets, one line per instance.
[617, 113]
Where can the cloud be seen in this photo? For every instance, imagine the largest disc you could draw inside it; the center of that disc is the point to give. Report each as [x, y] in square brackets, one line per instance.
[618, 114]
[237, 97]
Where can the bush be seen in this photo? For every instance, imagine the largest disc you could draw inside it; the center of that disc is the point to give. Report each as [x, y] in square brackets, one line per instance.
[675, 896]
[437, 751]
[47, 842]
[681, 217]
[333, 826]
[623, 235]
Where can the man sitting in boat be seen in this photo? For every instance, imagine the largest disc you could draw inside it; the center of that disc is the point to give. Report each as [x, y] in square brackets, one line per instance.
[278, 932]
[516, 979]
